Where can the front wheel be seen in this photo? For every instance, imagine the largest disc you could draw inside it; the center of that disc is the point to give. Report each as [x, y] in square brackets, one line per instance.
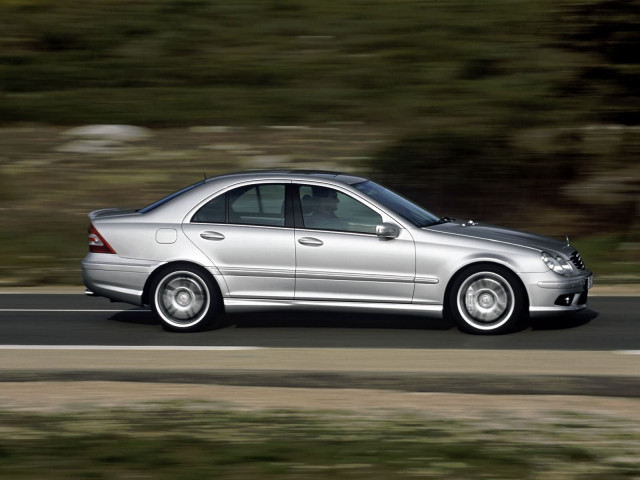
[185, 299]
[487, 300]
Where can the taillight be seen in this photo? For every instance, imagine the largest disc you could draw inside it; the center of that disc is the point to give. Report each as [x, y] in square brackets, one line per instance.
[97, 244]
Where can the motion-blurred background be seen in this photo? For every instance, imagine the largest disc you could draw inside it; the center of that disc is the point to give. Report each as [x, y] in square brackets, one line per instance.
[519, 112]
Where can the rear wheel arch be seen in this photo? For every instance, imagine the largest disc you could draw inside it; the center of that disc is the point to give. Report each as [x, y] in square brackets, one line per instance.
[201, 291]
[146, 291]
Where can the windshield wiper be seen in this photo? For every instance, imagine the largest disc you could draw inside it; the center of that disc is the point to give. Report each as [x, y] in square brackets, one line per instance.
[440, 221]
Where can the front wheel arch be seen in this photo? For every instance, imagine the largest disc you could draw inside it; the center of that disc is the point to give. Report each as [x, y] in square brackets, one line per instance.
[518, 320]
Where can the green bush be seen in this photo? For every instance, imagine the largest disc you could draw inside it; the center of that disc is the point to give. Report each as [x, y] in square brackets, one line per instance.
[445, 169]
[175, 62]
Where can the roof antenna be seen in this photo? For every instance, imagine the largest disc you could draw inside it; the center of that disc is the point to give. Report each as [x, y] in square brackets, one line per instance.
[205, 175]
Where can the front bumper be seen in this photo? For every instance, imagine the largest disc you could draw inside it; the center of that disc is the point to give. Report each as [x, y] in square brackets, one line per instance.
[559, 295]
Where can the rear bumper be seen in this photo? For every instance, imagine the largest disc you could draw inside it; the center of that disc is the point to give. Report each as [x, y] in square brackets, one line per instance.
[110, 278]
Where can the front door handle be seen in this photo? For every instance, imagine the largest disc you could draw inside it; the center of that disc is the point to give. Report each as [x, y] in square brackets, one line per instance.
[310, 242]
[212, 236]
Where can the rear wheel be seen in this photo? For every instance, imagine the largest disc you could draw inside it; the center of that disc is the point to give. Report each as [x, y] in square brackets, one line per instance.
[185, 299]
[487, 299]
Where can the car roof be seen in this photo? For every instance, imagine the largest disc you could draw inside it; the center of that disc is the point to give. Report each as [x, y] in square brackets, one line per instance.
[291, 174]
[194, 193]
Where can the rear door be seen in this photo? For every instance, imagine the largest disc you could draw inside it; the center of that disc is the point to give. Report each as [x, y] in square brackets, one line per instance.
[244, 233]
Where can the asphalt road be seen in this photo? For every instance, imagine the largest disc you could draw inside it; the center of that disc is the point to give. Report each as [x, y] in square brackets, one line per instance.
[70, 338]
[610, 324]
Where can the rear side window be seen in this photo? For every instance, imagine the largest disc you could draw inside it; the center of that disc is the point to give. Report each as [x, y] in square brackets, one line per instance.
[257, 205]
[250, 205]
[213, 212]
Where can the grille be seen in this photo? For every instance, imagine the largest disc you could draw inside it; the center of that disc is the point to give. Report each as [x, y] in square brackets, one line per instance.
[577, 260]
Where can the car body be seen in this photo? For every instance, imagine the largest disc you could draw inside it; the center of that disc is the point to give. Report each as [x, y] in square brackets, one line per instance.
[322, 240]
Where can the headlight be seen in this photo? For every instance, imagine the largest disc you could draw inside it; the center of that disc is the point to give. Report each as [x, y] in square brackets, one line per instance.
[557, 264]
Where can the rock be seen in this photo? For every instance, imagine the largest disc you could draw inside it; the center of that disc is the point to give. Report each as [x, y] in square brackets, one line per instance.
[123, 133]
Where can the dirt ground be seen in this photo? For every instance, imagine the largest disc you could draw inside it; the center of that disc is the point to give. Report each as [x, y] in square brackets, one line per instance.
[56, 397]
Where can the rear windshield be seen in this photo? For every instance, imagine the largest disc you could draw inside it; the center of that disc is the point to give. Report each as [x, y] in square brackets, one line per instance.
[164, 200]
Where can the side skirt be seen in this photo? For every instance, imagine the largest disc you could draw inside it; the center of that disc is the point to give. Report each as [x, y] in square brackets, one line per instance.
[257, 304]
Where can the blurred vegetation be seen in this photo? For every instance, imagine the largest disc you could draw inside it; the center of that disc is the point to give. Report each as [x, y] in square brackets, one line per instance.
[199, 440]
[507, 63]
[523, 112]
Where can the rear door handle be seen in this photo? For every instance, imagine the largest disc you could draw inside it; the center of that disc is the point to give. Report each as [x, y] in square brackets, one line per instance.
[212, 236]
[310, 242]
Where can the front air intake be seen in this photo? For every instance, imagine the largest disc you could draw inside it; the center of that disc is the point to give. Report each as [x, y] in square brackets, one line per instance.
[576, 259]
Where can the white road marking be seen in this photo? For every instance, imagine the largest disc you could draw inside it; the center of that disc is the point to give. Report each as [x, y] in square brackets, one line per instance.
[176, 348]
[68, 310]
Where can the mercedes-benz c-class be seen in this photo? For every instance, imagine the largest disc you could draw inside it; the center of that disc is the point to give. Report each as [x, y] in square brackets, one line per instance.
[328, 241]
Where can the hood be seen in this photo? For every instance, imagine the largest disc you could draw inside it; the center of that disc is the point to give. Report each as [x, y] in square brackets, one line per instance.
[504, 235]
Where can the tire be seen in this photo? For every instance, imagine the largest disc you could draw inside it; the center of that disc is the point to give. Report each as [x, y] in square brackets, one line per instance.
[185, 299]
[487, 299]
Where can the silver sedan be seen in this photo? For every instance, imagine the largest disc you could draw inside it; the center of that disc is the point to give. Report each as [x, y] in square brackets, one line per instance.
[317, 240]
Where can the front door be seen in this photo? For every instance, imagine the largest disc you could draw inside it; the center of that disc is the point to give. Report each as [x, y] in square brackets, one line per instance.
[339, 257]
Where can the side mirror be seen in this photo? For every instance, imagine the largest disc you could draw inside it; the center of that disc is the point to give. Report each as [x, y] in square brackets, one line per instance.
[387, 231]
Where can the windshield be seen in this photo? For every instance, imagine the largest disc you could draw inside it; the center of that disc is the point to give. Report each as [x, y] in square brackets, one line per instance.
[164, 200]
[400, 205]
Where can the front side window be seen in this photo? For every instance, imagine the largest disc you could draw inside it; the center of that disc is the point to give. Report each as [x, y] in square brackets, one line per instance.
[328, 209]
[249, 205]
